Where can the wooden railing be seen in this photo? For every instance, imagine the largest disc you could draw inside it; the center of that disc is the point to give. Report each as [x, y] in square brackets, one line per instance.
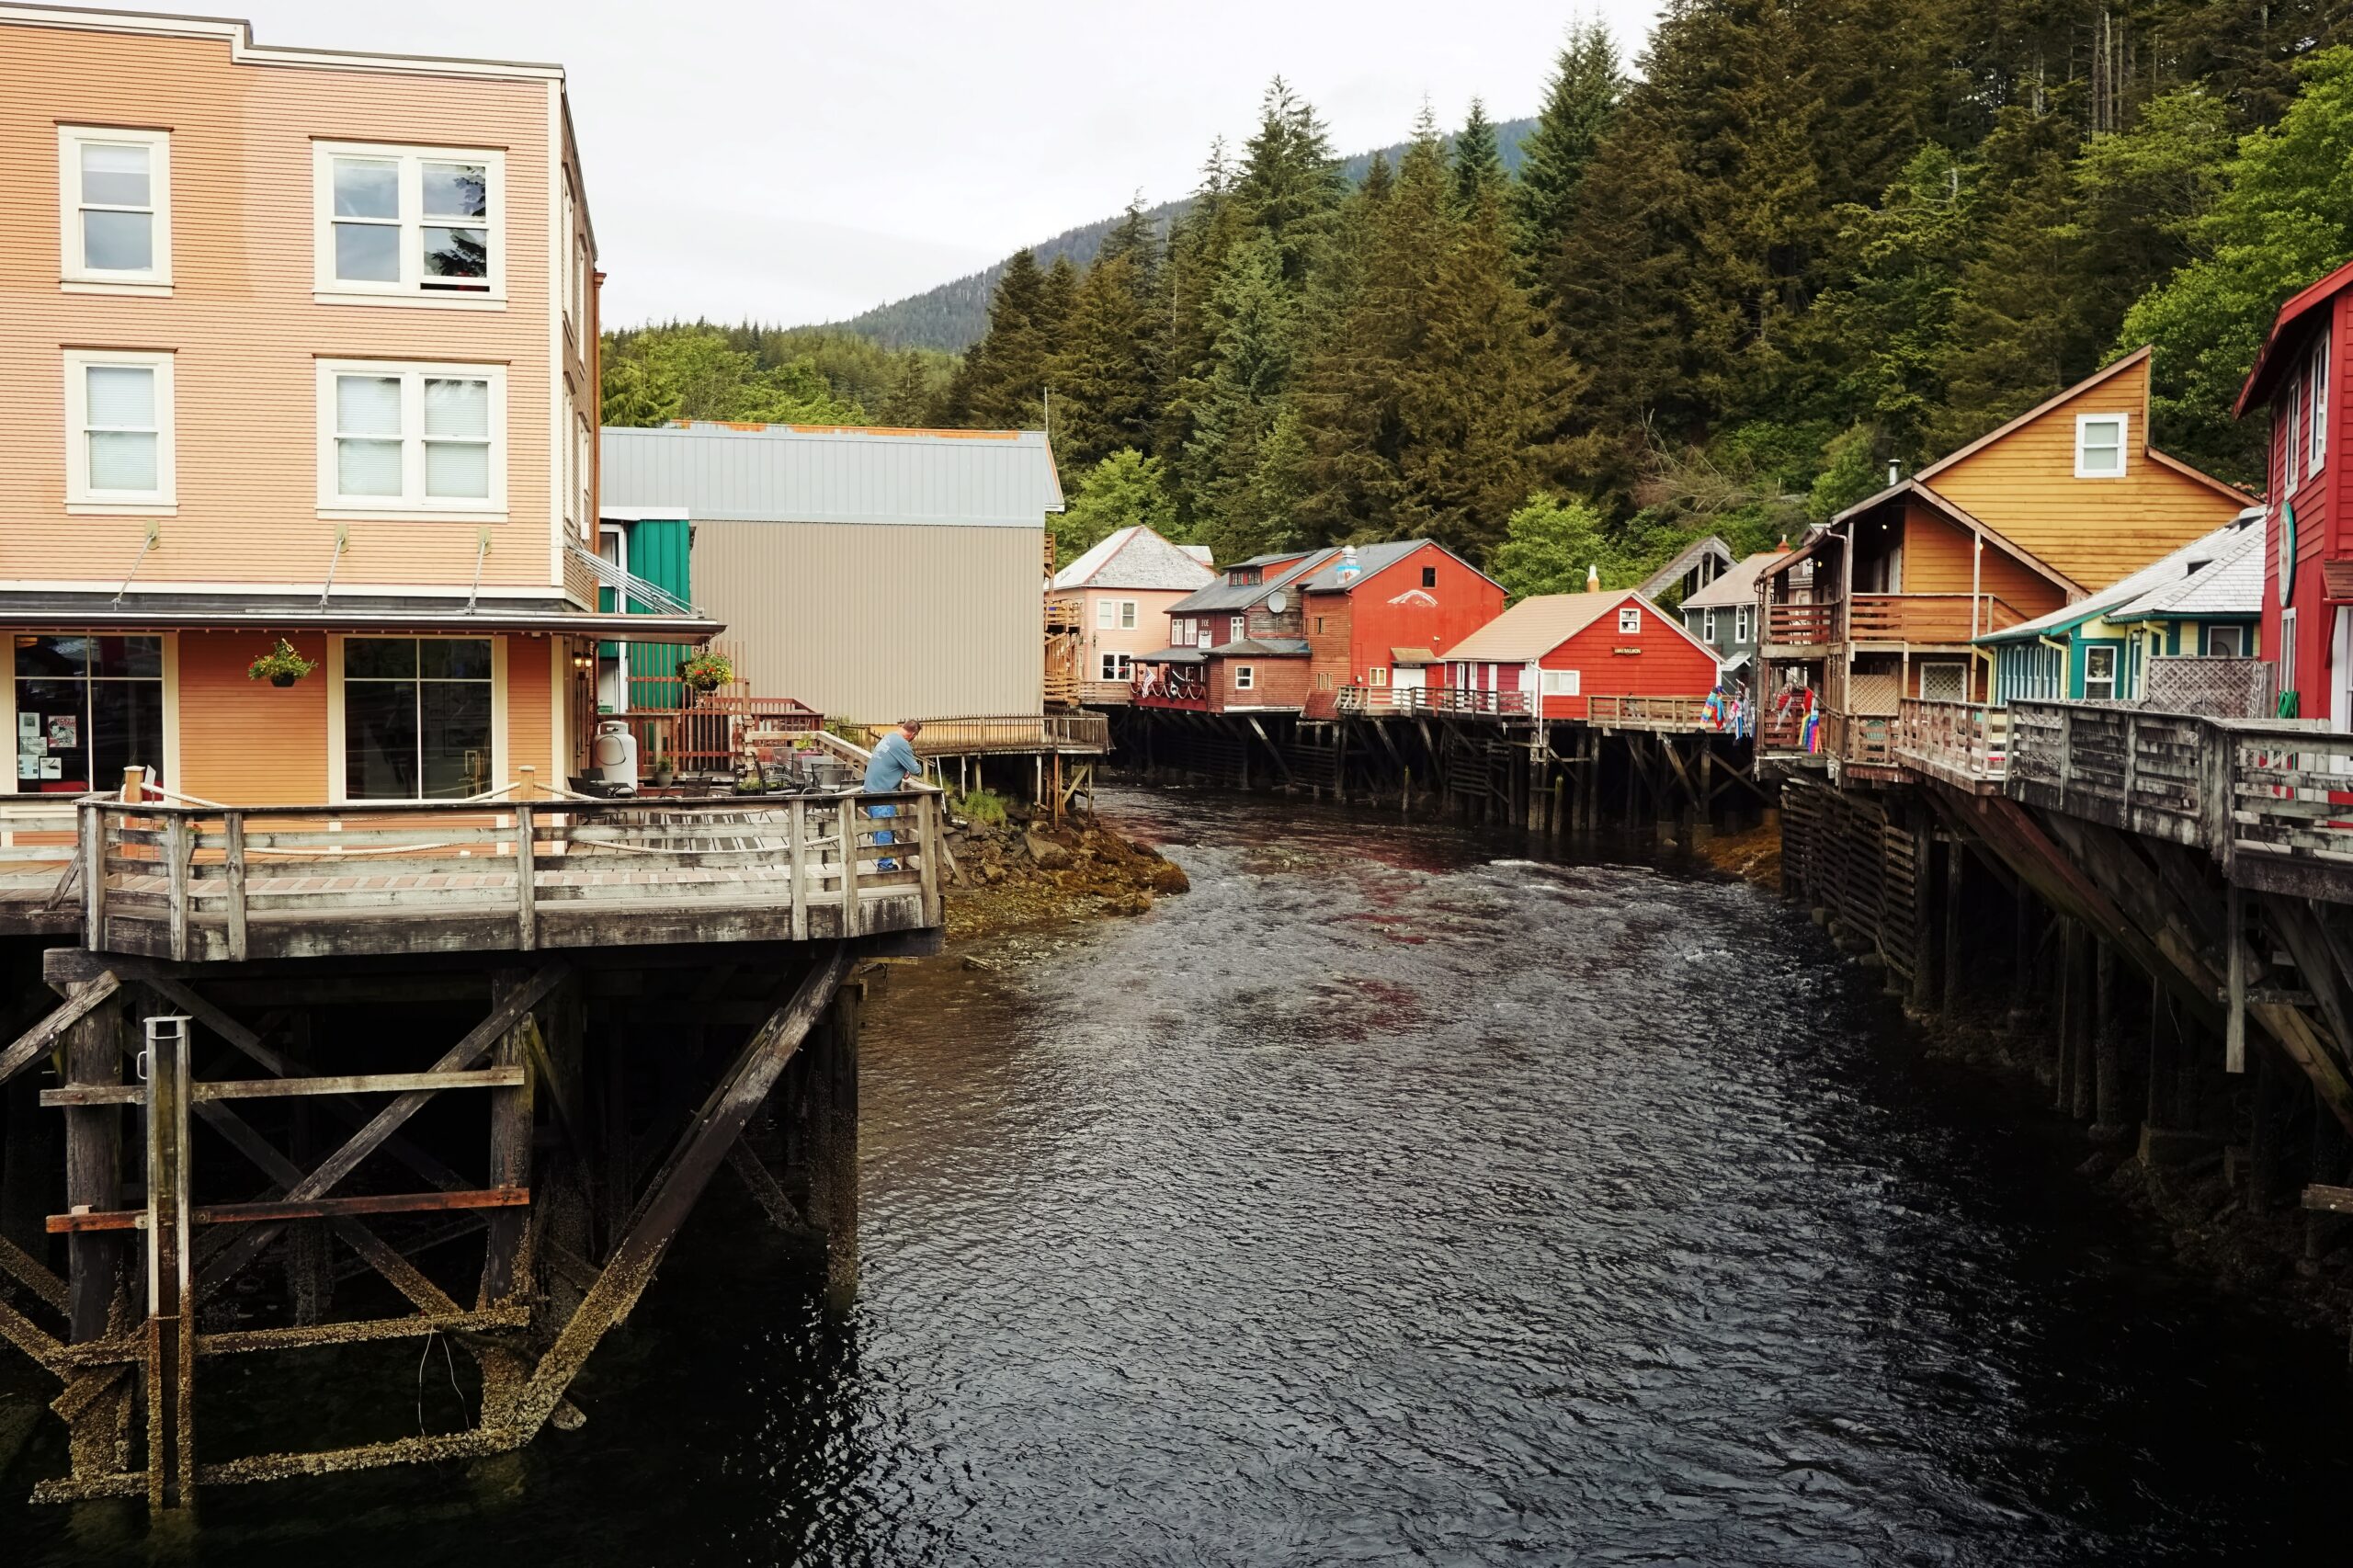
[1106, 693]
[1650, 713]
[38, 849]
[2125, 767]
[1965, 744]
[1867, 739]
[1387, 700]
[1023, 733]
[195, 883]
[709, 736]
[1804, 624]
[1471, 699]
[1927, 618]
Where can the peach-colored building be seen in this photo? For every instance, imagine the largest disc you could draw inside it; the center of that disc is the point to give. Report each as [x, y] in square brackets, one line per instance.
[293, 344]
[1124, 585]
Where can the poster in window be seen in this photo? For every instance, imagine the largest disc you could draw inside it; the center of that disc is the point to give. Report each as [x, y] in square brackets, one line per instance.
[52, 768]
[28, 764]
[64, 731]
[29, 729]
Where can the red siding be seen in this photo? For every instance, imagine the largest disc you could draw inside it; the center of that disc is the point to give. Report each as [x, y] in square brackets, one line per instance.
[2320, 504]
[1657, 661]
[1391, 609]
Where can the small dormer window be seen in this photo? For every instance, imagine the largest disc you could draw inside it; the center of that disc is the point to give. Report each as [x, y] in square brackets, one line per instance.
[2099, 446]
[1630, 620]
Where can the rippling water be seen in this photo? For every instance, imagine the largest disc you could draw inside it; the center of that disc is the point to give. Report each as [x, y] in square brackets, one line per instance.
[1389, 1198]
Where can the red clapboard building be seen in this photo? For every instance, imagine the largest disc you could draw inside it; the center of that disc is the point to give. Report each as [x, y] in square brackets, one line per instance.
[1380, 619]
[1563, 649]
[2308, 561]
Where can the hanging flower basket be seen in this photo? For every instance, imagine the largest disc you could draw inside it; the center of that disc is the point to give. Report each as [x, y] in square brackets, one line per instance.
[707, 672]
[281, 666]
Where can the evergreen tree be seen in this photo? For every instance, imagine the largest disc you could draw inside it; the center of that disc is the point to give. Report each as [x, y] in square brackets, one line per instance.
[1580, 102]
[911, 401]
[1291, 184]
[1254, 317]
[1002, 383]
[1102, 377]
[1478, 161]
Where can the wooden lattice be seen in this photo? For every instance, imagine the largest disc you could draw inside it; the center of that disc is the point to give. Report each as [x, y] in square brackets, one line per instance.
[2216, 688]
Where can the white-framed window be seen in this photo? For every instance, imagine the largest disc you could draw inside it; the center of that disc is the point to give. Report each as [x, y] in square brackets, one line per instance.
[2291, 443]
[2226, 642]
[2099, 674]
[115, 191]
[1127, 615]
[1201, 636]
[2288, 649]
[1560, 683]
[2099, 446]
[1115, 666]
[583, 447]
[1377, 675]
[420, 224]
[1106, 614]
[2316, 443]
[1630, 620]
[1234, 628]
[1246, 677]
[119, 447]
[1708, 625]
[403, 437]
[1744, 624]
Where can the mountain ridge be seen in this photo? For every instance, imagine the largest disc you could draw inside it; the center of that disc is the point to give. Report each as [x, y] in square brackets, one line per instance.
[953, 315]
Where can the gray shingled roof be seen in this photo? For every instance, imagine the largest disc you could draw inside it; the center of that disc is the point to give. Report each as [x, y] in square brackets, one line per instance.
[2228, 583]
[1262, 648]
[1736, 586]
[1224, 595]
[1136, 556]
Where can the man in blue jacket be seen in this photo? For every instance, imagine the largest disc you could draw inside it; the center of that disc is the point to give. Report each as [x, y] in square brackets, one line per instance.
[892, 764]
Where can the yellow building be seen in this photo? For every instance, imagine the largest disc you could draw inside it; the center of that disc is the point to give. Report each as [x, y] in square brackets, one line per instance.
[293, 345]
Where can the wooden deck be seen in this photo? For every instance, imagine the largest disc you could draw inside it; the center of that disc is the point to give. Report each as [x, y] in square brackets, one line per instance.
[205, 884]
[2271, 800]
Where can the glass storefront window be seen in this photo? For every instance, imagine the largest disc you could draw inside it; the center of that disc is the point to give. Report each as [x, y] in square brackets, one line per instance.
[87, 709]
[416, 717]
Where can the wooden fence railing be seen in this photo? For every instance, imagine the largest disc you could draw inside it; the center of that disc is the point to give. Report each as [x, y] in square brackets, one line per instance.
[1471, 699]
[1071, 731]
[198, 882]
[1927, 618]
[707, 737]
[1962, 743]
[1650, 713]
[1801, 624]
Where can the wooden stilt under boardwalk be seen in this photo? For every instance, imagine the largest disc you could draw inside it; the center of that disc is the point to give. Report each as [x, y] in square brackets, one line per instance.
[377, 1127]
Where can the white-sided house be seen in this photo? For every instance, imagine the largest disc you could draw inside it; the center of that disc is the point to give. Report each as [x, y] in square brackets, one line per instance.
[1551, 655]
[873, 575]
[1124, 585]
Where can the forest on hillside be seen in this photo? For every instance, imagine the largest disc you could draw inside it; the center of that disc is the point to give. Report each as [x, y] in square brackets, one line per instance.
[1801, 239]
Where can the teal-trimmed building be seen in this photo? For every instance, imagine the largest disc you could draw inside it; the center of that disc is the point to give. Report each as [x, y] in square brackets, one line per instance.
[2206, 598]
[648, 551]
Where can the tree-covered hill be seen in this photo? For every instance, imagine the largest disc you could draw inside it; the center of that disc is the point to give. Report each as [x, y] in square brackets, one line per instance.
[954, 315]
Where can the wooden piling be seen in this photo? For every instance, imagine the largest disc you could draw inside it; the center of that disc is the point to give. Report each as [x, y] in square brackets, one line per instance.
[2109, 1123]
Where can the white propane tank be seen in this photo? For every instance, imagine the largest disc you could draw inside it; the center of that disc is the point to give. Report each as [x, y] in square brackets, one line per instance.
[613, 754]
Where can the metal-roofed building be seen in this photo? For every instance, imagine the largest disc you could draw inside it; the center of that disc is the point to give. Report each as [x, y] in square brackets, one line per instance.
[876, 575]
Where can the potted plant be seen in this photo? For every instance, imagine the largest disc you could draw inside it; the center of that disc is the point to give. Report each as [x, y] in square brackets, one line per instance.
[663, 773]
[706, 671]
[281, 666]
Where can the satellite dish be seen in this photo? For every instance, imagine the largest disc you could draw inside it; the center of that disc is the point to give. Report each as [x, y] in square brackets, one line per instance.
[1278, 601]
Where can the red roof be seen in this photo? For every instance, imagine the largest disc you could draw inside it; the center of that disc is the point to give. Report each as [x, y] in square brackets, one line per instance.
[2284, 329]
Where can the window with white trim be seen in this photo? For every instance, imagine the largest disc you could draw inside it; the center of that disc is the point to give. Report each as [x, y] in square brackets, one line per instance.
[1944, 680]
[1127, 615]
[2099, 446]
[1246, 677]
[119, 444]
[1114, 666]
[1377, 675]
[412, 223]
[1744, 624]
[1560, 683]
[408, 437]
[2291, 443]
[115, 191]
[2226, 642]
[2288, 649]
[2316, 443]
[1106, 614]
[1630, 620]
[1708, 624]
[2099, 674]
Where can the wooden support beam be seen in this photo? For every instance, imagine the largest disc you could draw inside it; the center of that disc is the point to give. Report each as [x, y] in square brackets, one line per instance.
[79, 1223]
[32, 1274]
[171, 1300]
[646, 1237]
[42, 1038]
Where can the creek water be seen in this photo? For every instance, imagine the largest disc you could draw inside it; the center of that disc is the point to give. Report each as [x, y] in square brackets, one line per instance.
[1395, 1196]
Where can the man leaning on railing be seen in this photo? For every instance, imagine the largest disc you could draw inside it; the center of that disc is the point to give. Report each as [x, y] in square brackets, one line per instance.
[893, 766]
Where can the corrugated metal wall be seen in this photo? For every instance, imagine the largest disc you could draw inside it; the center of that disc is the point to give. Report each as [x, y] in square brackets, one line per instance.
[876, 622]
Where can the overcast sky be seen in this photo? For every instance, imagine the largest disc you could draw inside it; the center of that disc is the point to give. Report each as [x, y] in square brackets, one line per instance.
[791, 162]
